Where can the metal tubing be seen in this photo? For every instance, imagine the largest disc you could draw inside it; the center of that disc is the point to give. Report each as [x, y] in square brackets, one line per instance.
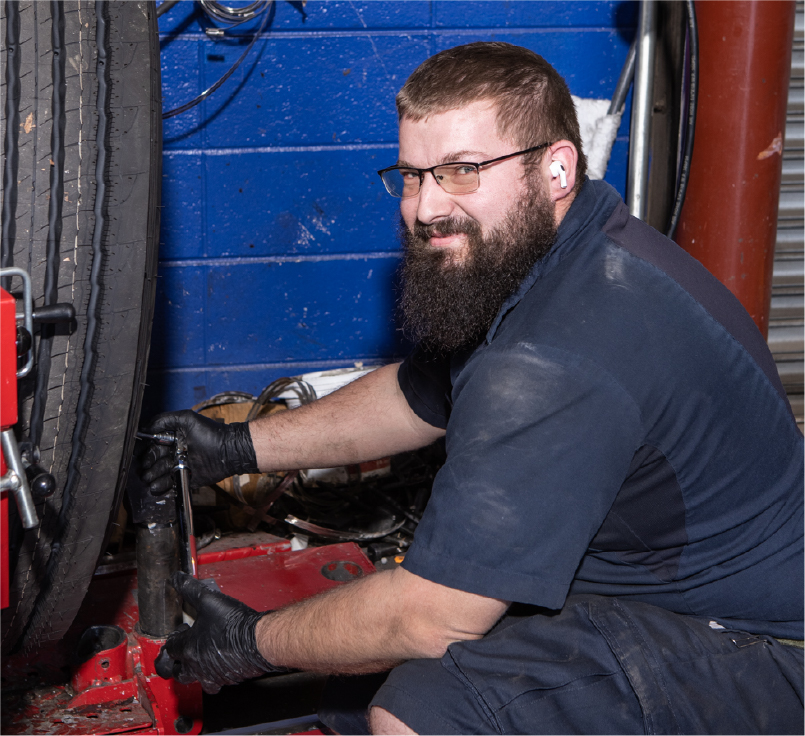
[189, 553]
[642, 104]
[20, 488]
[729, 219]
[624, 81]
[157, 560]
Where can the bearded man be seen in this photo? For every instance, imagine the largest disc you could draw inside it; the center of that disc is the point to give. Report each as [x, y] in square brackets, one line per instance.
[614, 543]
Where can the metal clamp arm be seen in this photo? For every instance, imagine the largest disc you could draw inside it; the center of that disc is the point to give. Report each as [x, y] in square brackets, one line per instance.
[16, 481]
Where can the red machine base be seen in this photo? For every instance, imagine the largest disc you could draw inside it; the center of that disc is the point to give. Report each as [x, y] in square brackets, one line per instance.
[100, 678]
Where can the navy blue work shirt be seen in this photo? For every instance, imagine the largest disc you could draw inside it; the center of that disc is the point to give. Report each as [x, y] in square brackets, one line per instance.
[622, 431]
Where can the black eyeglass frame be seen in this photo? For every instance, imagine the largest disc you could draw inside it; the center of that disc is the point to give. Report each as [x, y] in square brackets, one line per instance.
[477, 166]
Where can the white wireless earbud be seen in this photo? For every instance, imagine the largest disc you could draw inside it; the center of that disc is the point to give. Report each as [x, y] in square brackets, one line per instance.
[557, 169]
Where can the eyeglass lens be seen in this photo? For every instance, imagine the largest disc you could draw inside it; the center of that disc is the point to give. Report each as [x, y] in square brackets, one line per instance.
[453, 178]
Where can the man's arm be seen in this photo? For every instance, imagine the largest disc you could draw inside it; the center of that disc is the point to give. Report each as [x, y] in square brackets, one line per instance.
[374, 623]
[365, 420]
[368, 419]
[369, 625]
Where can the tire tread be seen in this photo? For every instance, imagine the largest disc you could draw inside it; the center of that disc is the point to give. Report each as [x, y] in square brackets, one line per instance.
[88, 457]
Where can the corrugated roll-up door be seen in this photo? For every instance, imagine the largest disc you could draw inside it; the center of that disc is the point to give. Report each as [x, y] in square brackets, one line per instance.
[786, 322]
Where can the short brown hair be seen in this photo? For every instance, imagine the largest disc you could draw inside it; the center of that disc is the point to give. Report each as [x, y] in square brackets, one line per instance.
[533, 101]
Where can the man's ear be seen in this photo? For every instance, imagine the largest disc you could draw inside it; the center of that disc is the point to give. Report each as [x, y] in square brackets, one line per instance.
[559, 170]
[559, 164]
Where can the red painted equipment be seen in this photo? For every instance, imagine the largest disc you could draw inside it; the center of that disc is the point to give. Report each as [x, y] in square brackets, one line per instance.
[8, 418]
[115, 690]
[8, 361]
[14, 476]
[729, 218]
[112, 686]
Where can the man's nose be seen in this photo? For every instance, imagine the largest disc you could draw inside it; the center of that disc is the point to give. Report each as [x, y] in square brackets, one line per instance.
[433, 201]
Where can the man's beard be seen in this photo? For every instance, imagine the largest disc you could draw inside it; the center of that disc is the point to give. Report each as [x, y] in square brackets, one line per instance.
[448, 305]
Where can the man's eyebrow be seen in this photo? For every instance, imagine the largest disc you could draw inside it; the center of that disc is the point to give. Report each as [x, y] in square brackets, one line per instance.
[449, 158]
[462, 156]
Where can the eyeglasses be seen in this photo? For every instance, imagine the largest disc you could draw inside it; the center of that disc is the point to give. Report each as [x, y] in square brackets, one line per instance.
[459, 177]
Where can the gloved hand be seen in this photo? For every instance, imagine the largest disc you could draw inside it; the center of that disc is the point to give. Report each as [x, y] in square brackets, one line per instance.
[220, 648]
[214, 451]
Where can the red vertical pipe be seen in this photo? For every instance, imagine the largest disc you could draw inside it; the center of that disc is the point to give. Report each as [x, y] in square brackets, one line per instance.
[729, 220]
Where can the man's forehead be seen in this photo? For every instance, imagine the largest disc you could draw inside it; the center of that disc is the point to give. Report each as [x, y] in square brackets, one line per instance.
[467, 133]
[481, 111]
[479, 105]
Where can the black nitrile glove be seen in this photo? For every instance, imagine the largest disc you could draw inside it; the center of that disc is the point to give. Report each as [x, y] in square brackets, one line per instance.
[214, 451]
[219, 648]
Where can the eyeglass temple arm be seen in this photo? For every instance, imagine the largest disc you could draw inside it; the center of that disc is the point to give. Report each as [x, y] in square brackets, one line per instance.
[511, 155]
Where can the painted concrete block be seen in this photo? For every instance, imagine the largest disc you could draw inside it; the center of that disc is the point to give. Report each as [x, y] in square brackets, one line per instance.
[321, 90]
[181, 82]
[544, 14]
[307, 202]
[183, 211]
[312, 16]
[178, 338]
[270, 312]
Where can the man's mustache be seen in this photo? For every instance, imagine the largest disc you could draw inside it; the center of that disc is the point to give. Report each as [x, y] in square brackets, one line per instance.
[448, 226]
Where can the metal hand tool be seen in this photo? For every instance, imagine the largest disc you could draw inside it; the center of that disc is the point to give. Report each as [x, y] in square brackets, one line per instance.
[183, 501]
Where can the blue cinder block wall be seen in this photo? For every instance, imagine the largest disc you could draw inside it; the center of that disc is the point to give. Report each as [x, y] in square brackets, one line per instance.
[278, 245]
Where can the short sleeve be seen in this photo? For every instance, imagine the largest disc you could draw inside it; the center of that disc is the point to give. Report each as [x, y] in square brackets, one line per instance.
[538, 445]
[425, 382]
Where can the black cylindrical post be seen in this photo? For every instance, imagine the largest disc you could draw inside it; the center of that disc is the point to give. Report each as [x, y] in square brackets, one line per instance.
[157, 560]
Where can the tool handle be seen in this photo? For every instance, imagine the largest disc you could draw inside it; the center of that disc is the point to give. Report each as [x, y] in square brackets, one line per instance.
[183, 501]
[189, 554]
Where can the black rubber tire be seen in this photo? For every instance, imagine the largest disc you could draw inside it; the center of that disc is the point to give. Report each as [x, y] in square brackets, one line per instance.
[82, 175]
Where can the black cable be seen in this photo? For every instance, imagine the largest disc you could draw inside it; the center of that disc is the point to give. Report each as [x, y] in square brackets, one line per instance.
[396, 507]
[207, 92]
[227, 397]
[693, 96]
[165, 7]
[302, 389]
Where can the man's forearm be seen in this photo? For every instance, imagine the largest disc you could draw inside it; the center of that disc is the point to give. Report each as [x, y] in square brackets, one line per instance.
[373, 624]
[343, 631]
[365, 420]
